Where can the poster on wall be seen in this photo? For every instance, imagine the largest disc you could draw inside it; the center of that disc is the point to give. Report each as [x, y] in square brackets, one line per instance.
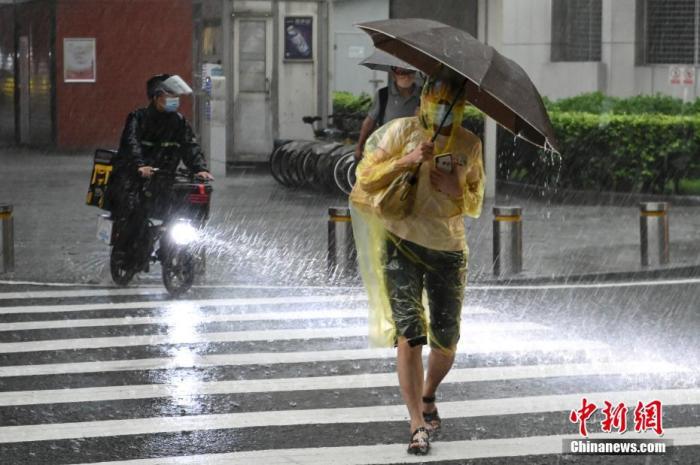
[298, 37]
[79, 60]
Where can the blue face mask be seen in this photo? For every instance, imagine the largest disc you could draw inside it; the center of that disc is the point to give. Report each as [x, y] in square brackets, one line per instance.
[172, 104]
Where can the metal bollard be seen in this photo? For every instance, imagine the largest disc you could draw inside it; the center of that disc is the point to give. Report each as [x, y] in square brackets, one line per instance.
[653, 232]
[342, 256]
[8, 244]
[507, 240]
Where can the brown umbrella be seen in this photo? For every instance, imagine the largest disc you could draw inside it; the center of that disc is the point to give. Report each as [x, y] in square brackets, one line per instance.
[495, 84]
[382, 61]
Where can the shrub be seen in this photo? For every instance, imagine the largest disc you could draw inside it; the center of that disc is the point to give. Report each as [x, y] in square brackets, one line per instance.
[625, 153]
[345, 102]
[597, 103]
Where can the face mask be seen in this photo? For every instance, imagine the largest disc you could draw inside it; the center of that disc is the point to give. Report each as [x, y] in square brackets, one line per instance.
[440, 112]
[172, 104]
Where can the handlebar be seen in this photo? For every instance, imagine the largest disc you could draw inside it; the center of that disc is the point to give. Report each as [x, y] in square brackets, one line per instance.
[179, 173]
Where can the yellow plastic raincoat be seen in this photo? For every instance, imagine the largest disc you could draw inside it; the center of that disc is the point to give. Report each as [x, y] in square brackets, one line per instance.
[436, 220]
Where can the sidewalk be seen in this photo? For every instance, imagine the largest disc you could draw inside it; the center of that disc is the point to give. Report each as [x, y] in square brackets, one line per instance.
[265, 234]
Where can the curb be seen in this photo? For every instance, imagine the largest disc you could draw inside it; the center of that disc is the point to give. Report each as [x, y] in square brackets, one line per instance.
[655, 274]
[589, 198]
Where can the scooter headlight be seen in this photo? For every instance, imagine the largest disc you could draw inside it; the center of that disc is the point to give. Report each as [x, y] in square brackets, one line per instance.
[183, 233]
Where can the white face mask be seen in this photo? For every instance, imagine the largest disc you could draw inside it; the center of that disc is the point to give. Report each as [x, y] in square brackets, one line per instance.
[440, 113]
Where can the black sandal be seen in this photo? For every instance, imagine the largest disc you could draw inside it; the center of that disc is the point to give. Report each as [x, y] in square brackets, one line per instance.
[432, 419]
[420, 445]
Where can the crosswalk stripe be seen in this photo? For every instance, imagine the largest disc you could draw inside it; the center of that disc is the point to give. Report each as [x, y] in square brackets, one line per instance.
[184, 333]
[53, 294]
[367, 380]
[440, 451]
[379, 413]
[185, 358]
[108, 292]
[182, 303]
[195, 318]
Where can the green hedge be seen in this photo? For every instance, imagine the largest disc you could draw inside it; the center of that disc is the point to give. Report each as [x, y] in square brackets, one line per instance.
[647, 144]
[345, 102]
[642, 144]
[596, 102]
[623, 153]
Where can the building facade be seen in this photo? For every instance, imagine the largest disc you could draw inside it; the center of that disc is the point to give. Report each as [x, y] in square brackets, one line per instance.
[71, 70]
[618, 47]
[259, 66]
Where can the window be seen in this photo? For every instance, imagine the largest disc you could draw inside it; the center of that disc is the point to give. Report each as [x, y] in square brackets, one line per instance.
[252, 55]
[576, 29]
[211, 40]
[669, 31]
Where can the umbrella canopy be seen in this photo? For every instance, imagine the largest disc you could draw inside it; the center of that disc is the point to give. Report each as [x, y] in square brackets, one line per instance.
[496, 85]
[382, 61]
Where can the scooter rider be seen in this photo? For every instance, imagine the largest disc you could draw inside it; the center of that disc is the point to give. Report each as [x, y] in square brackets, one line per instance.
[154, 137]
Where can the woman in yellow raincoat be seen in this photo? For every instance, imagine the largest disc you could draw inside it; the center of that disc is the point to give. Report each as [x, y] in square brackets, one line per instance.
[426, 251]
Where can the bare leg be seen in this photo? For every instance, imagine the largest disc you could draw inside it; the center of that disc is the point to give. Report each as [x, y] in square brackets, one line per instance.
[409, 365]
[439, 364]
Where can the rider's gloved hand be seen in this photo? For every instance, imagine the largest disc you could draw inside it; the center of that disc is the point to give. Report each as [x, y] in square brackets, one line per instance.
[146, 171]
[206, 175]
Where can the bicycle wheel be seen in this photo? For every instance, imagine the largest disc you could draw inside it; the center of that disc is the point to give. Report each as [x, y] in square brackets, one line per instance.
[313, 176]
[275, 164]
[340, 170]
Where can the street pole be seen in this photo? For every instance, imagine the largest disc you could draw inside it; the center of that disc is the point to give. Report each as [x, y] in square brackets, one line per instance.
[490, 32]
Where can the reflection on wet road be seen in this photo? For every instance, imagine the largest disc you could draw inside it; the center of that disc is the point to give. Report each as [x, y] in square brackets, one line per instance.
[244, 375]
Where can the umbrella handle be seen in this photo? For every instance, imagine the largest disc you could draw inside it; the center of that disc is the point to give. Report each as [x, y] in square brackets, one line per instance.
[444, 118]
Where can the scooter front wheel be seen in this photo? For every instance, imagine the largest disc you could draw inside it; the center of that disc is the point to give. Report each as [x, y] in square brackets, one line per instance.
[119, 268]
[178, 272]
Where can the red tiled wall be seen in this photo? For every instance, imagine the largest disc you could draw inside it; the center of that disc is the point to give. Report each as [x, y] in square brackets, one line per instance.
[135, 39]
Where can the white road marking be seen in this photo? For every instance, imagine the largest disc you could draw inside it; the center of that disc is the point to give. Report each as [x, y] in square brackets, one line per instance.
[440, 451]
[536, 287]
[185, 358]
[497, 287]
[184, 333]
[48, 284]
[378, 413]
[195, 318]
[82, 293]
[367, 380]
[182, 303]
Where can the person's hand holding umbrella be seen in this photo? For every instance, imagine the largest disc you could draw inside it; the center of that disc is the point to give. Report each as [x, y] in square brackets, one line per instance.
[422, 153]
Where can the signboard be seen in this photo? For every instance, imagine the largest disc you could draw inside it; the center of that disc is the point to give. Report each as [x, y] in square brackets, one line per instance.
[298, 38]
[674, 75]
[681, 75]
[79, 63]
[688, 76]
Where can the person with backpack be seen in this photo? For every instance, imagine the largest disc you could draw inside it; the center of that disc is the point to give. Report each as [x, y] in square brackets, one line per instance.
[397, 100]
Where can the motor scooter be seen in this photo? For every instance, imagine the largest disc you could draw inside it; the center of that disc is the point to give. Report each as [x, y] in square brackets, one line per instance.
[171, 233]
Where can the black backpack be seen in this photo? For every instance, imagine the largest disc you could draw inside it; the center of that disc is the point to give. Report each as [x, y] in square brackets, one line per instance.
[383, 99]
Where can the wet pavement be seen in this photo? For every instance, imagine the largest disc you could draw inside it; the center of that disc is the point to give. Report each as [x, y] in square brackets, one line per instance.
[263, 233]
[266, 361]
[238, 374]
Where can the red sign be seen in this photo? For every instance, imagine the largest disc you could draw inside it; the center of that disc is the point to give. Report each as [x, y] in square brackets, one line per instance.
[646, 417]
[675, 75]
[689, 76]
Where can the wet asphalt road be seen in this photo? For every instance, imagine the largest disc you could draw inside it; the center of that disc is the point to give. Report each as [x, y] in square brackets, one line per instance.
[283, 375]
[263, 233]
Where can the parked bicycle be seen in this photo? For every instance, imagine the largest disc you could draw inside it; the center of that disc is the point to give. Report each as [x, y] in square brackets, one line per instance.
[325, 164]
